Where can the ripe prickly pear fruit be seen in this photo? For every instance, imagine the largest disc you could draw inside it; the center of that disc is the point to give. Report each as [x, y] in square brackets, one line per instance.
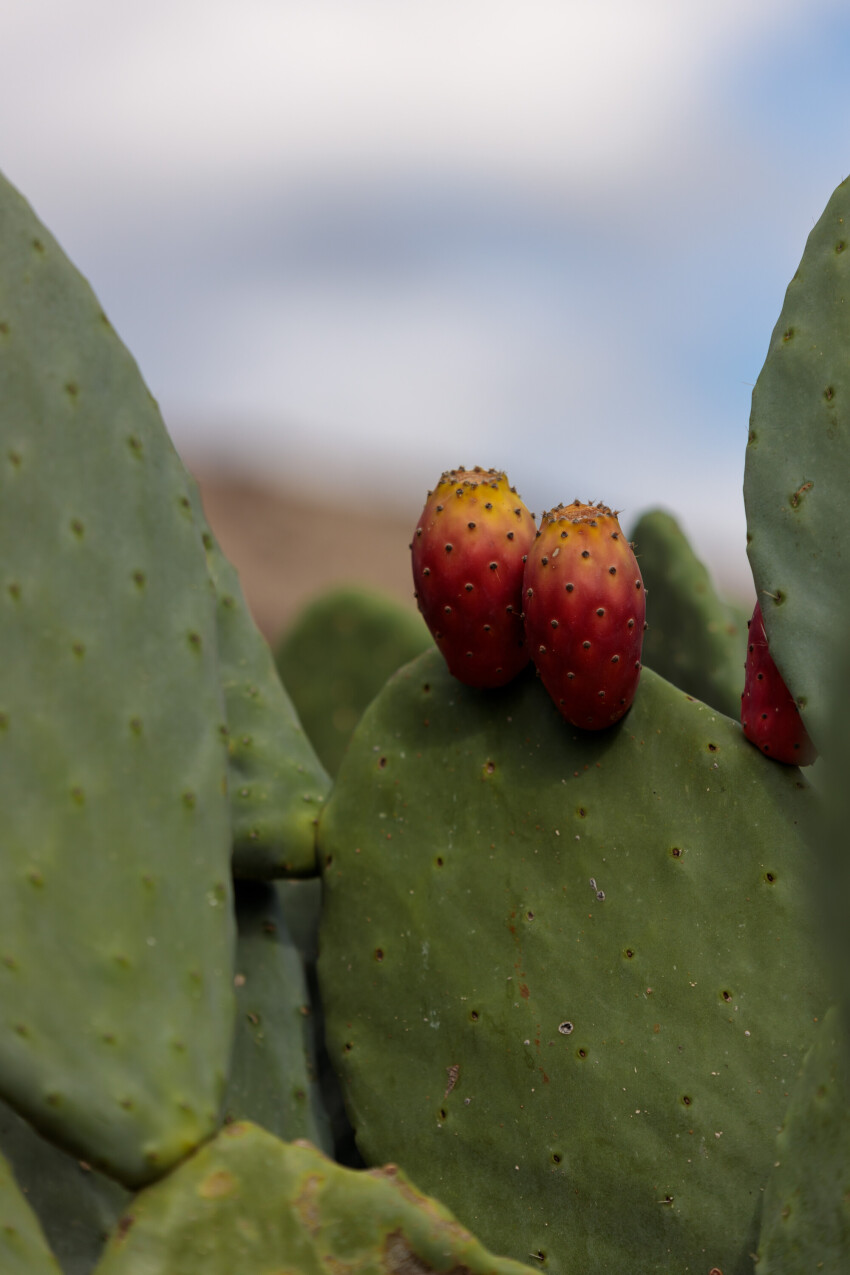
[769, 716]
[584, 607]
[468, 554]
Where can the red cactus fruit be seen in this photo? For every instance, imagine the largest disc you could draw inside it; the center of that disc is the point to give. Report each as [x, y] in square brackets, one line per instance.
[584, 609]
[468, 554]
[769, 716]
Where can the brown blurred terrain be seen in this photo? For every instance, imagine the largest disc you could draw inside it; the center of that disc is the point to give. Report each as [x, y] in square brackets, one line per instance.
[288, 546]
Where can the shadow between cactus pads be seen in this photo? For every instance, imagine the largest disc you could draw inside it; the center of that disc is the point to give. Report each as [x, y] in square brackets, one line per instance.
[568, 978]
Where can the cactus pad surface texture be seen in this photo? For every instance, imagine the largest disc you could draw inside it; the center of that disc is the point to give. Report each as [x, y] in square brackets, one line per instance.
[277, 783]
[23, 1248]
[694, 639]
[251, 1204]
[798, 468]
[116, 927]
[569, 977]
[806, 1224]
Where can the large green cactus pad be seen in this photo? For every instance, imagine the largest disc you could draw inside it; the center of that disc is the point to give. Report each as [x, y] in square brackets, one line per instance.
[337, 655]
[277, 783]
[798, 467]
[251, 1204]
[116, 932]
[806, 1224]
[273, 1076]
[568, 977]
[694, 639]
[23, 1248]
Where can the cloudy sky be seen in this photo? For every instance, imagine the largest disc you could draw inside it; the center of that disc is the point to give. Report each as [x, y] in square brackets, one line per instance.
[373, 239]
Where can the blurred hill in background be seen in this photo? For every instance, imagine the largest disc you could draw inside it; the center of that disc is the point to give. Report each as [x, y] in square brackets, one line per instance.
[288, 546]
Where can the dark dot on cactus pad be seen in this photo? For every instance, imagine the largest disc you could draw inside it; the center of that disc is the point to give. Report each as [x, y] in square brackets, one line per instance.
[486, 628]
[426, 571]
[566, 1028]
[593, 522]
[554, 623]
[135, 445]
[585, 553]
[556, 1159]
[77, 527]
[629, 953]
[473, 1016]
[788, 334]
[712, 748]
[185, 504]
[347, 1047]
[447, 610]
[839, 247]
[529, 916]
[471, 526]
[541, 650]
[687, 1099]
[328, 860]
[769, 877]
[72, 389]
[544, 561]
[139, 579]
[448, 548]
[382, 761]
[585, 646]
[439, 509]
[439, 861]
[468, 588]
[15, 459]
[490, 767]
[600, 894]
[727, 996]
[600, 611]
[443, 1113]
[459, 491]
[529, 593]
[494, 566]
[637, 584]
[764, 717]
[379, 953]
[829, 393]
[581, 1053]
[676, 852]
[78, 649]
[570, 677]
[489, 505]
[615, 659]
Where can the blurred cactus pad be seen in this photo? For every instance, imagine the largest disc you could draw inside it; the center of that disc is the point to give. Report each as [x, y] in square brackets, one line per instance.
[337, 655]
[694, 638]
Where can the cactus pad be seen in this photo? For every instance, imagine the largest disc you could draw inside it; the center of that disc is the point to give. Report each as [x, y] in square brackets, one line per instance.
[337, 655]
[798, 468]
[23, 1248]
[806, 1220]
[247, 1202]
[568, 978]
[277, 783]
[694, 639]
[115, 844]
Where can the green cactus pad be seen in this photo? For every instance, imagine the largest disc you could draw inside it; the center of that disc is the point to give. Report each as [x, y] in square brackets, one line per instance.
[23, 1248]
[798, 467]
[568, 978]
[116, 931]
[336, 657]
[273, 1079]
[806, 1220]
[251, 1204]
[77, 1206]
[694, 639]
[277, 784]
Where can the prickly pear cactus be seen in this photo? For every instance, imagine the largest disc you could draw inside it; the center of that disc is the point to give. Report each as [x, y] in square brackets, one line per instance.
[806, 1216]
[273, 1077]
[247, 1202]
[23, 1248]
[337, 655]
[115, 845]
[568, 978]
[694, 639]
[798, 468]
[277, 783]
[76, 1206]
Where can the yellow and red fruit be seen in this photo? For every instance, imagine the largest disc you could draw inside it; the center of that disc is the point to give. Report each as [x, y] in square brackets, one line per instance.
[585, 610]
[769, 716]
[468, 552]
